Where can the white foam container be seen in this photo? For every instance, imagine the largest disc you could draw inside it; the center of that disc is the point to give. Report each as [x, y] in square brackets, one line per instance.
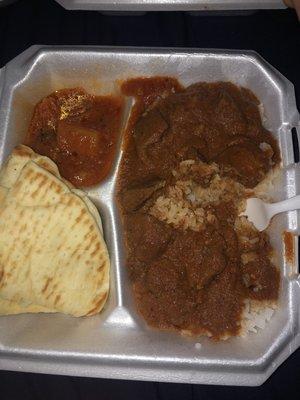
[117, 343]
[170, 5]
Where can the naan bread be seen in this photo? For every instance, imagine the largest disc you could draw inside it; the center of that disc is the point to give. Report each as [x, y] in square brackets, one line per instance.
[3, 193]
[8, 307]
[52, 254]
[20, 156]
[16, 162]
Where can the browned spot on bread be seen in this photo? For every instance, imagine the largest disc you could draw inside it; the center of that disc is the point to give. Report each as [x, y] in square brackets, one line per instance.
[86, 235]
[35, 193]
[52, 292]
[70, 202]
[81, 214]
[73, 253]
[57, 298]
[97, 248]
[46, 285]
[17, 185]
[21, 151]
[28, 173]
[43, 181]
[44, 164]
[52, 185]
[98, 304]
[88, 246]
[59, 189]
[39, 175]
[100, 268]
[1, 275]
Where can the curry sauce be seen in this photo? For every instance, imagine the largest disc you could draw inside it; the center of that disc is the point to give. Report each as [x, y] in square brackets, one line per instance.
[78, 131]
[194, 278]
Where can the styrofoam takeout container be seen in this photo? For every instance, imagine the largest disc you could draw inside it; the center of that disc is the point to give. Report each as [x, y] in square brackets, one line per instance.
[169, 5]
[117, 343]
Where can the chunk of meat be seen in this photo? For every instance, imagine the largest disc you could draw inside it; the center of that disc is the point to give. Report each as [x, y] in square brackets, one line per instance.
[231, 247]
[202, 255]
[205, 266]
[147, 238]
[187, 114]
[229, 115]
[163, 275]
[134, 198]
[224, 293]
[149, 130]
[164, 309]
[247, 162]
[137, 269]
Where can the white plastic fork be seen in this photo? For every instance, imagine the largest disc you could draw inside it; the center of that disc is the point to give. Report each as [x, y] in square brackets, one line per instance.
[261, 213]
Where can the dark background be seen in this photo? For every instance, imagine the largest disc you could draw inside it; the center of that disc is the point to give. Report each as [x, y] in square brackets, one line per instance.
[274, 34]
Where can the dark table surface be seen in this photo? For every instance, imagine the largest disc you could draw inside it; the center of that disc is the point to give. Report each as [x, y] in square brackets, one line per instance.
[274, 34]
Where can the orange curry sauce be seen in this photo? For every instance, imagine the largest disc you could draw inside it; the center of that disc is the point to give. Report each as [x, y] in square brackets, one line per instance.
[78, 131]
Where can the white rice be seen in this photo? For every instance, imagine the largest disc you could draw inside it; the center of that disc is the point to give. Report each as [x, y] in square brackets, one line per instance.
[256, 315]
[183, 204]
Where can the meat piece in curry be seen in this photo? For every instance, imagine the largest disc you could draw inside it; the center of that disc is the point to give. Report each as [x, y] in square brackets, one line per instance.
[191, 157]
[78, 131]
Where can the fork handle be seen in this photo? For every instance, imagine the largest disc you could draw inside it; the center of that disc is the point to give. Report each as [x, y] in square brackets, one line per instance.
[286, 205]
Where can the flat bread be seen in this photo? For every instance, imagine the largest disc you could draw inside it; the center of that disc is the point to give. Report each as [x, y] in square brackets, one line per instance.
[52, 252]
[16, 162]
[20, 156]
[8, 307]
[3, 193]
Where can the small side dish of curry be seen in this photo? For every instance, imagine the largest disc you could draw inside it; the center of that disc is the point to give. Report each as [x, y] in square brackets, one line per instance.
[191, 157]
[78, 131]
